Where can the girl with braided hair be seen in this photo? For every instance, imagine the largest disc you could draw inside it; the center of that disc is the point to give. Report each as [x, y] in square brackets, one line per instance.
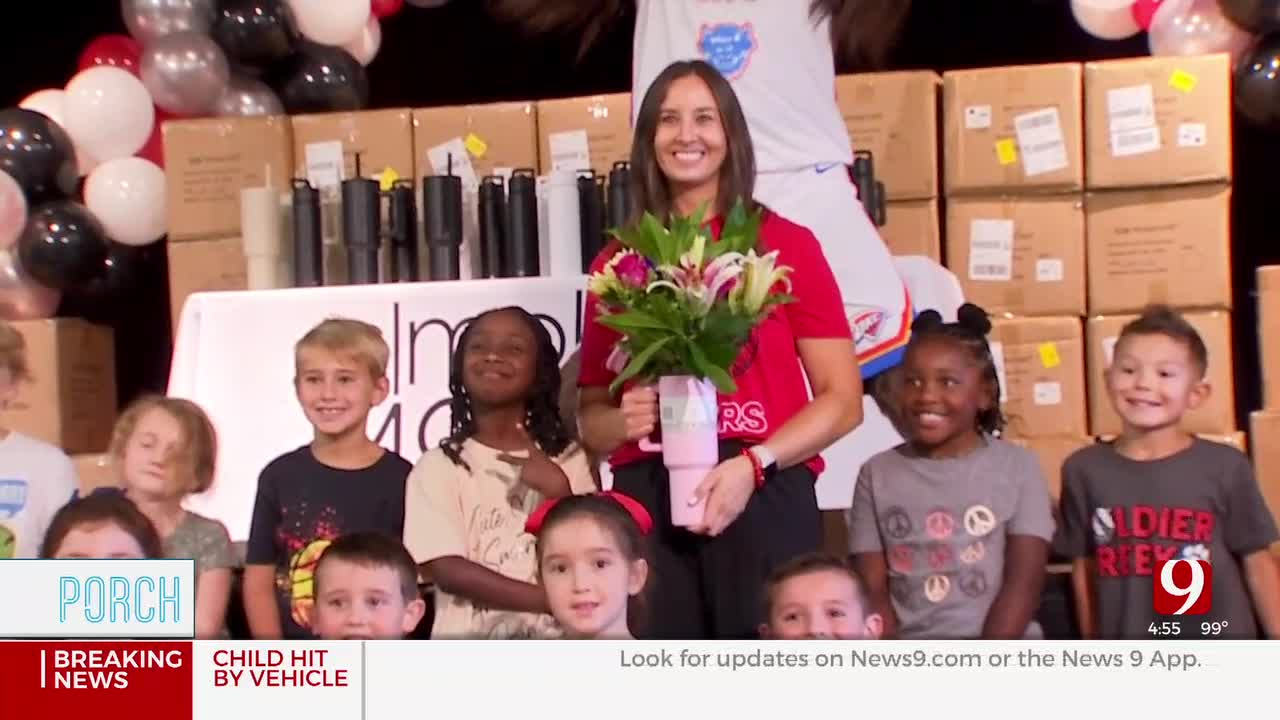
[468, 500]
[950, 531]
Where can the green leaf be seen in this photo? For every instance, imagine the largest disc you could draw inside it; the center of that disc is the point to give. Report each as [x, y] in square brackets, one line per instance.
[624, 322]
[717, 375]
[637, 364]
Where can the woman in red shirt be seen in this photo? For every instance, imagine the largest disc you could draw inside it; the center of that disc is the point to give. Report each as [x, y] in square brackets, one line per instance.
[692, 148]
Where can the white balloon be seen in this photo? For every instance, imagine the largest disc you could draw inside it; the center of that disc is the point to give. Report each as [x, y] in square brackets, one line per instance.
[331, 22]
[1106, 19]
[127, 195]
[52, 103]
[109, 113]
[365, 47]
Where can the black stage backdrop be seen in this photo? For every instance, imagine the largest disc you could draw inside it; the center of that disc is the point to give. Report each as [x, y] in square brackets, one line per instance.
[454, 55]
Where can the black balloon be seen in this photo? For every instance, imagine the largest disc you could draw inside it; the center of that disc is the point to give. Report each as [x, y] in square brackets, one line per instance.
[321, 78]
[255, 33]
[120, 272]
[63, 245]
[1257, 83]
[39, 154]
[1256, 16]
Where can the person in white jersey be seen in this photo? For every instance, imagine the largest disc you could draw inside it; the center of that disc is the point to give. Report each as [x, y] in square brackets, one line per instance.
[779, 55]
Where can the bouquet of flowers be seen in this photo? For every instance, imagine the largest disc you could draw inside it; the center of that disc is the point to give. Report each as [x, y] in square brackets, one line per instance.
[684, 304]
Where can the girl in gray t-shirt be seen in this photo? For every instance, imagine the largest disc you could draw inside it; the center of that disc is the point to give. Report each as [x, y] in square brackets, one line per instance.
[950, 531]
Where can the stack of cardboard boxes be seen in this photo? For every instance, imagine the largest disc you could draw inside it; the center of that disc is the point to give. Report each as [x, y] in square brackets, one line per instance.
[1015, 239]
[1158, 162]
[1264, 425]
[894, 116]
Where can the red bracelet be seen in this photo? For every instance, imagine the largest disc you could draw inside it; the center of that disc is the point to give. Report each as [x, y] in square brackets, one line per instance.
[756, 466]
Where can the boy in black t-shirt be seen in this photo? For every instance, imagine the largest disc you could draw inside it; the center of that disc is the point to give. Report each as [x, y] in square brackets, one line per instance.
[1159, 494]
[342, 482]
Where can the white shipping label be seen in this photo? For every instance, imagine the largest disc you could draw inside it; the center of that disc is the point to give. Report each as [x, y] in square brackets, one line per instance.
[1040, 141]
[1192, 135]
[997, 358]
[325, 166]
[1047, 393]
[991, 250]
[1135, 142]
[1130, 108]
[977, 117]
[1049, 270]
[452, 157]
[1109, 349]
[570, 150]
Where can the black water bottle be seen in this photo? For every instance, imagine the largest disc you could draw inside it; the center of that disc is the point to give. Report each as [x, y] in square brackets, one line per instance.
[619, 205]
[520, 254]
[308, 250]
[402, 227]
[361, 229]
[591, 211]
[442, 213]
[493, 211]
[870, 190]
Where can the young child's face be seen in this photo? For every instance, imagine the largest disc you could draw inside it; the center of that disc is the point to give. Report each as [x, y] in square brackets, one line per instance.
[587, 578]
[820, 605]
[362, 602]
[336, 391]
[499, 359]
[151, 456]
[98, 541]
[943, 390]
[1153, 381]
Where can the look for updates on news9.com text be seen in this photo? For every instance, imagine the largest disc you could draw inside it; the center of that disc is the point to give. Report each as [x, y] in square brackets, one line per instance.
[114, 639]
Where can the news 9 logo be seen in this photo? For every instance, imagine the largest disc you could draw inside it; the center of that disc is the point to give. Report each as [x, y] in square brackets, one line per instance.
[1183, 587]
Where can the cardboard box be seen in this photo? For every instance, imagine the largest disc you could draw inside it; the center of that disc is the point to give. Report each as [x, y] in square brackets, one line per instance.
[1157, 121]
[1264, 431]
[1040, 362]
[1052, 452]
[911, 228]
[382, 140]
[894, 116]
[1170, 245]
[70, 400]
[1217, 416]
[483, 139]
[1023, 256]
[1013, 129]
[210, 160]
[584, 132]
[1269, 334]
[204, 266]
[96, 470]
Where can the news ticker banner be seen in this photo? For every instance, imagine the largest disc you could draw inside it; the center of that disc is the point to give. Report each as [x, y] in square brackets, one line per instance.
[206, 680]
[97, 599]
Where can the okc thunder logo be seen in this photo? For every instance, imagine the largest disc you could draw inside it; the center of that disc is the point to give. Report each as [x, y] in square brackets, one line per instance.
[728, 47]
[866, 323]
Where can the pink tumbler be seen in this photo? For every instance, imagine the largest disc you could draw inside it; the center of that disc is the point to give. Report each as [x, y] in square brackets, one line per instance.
[690, 417]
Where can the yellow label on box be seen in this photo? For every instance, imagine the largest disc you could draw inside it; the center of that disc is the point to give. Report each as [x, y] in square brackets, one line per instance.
[1049, 355]
[1006, 151]
[387, 179]
[475, 145]
[1183, 80]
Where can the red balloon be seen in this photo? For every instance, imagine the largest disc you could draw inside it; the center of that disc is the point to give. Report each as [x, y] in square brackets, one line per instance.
[119, 51]
[1143, 11]
[386, 8]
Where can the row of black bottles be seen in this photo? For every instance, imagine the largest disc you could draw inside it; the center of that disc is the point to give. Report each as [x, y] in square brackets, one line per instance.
[508, 225]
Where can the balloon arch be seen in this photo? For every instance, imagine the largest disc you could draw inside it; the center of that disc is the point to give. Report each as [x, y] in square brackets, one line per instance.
[82, 183]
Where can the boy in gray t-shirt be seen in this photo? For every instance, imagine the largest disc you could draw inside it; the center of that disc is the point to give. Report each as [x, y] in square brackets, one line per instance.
[1158, 494]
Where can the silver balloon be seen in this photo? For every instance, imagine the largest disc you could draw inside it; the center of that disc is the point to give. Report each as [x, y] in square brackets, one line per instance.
[22, 298]
[186, 72]
[246, 96]
[151, 19]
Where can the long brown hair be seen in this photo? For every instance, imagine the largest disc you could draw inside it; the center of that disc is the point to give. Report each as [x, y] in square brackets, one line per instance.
[650, 190]
[863, 32]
